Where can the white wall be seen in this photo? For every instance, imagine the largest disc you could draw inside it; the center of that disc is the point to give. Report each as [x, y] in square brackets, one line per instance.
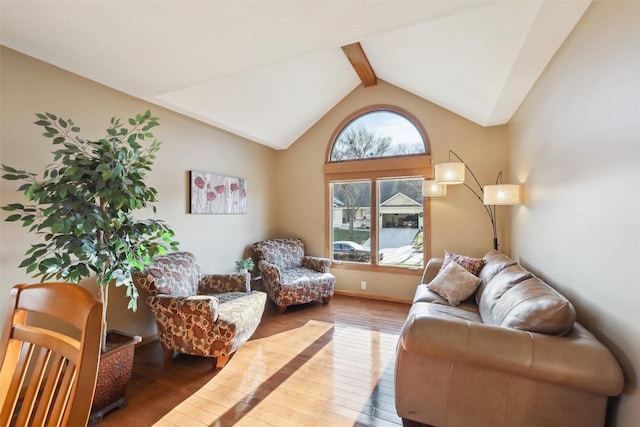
[575, 144]
[30, 86]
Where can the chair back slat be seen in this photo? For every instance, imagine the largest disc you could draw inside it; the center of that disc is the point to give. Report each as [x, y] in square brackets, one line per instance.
[37, 376]
[48, 391]
[49, 362]
[16, 381]
[57, 415]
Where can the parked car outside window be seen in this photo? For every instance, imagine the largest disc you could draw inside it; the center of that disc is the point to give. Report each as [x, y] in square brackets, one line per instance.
[344, 250]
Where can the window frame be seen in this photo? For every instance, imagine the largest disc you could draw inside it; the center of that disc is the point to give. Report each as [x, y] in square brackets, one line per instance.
[371, 170]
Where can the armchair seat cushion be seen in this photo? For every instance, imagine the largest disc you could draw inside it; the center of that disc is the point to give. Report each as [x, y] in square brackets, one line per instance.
[303, 277]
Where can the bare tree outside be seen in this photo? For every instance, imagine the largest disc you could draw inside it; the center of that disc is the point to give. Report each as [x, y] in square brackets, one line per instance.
[356, 142]
[354, 196]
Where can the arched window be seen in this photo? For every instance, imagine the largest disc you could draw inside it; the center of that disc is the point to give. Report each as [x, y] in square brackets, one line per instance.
[376, 134]
[377, 218]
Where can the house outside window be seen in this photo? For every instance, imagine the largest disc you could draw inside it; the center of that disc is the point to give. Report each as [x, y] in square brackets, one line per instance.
[377, 216]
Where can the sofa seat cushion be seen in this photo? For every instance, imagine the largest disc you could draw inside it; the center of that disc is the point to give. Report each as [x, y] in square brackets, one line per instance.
[536, 307]
[444, 311]
[454, 283]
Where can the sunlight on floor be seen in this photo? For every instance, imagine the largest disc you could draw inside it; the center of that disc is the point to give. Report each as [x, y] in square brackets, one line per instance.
[315, 375]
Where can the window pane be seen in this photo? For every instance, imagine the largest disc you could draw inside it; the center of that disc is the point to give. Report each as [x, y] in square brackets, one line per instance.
[377, 134]
[400, 234]
[351, 221]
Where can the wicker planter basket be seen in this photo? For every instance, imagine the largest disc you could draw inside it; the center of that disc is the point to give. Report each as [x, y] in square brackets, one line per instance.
[114, 374]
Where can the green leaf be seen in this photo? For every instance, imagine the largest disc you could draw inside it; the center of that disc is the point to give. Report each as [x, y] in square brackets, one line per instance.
[26, 262]
[43, 123]
[13, 207]
[62, 123]
[14, 217]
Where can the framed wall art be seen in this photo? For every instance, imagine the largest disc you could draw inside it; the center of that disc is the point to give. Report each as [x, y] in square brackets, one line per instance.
[217, 194]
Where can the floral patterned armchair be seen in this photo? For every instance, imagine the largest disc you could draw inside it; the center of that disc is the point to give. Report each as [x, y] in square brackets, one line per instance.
[202, 315]
[289, 276]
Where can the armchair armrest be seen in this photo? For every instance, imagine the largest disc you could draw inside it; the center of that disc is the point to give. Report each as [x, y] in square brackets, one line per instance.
[270, 272]
[576, 360]
[221, 283]
[193, 309]
[316, 263]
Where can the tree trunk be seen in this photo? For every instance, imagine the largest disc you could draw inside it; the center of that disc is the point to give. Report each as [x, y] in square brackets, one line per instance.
[104, 298]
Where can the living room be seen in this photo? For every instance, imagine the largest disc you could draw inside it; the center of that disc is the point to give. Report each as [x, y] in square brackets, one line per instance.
[573, 139]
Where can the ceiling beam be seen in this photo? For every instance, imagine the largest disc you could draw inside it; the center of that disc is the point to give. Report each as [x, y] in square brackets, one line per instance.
[358, 59]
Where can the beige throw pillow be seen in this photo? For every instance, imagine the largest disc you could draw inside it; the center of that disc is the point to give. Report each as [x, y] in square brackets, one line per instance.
[454, 283]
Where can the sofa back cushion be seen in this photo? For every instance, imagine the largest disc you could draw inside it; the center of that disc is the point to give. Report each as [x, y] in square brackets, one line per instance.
[175, 274]
[495, 262]
[495, 289]
[284, 253]
[534, 306]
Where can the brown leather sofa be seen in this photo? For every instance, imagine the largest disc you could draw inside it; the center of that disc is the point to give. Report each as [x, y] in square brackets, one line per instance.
[511, 355]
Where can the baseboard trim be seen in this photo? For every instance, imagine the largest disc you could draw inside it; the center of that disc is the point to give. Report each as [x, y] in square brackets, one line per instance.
[149, 339]
[372, 296]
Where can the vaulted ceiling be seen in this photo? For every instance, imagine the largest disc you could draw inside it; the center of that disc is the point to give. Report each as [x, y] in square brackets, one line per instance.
[268, 70]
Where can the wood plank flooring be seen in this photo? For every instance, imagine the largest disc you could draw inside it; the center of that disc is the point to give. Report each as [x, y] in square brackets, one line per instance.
[315, 365]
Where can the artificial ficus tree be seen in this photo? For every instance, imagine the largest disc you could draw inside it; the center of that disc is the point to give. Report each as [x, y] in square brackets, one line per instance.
[83, 206]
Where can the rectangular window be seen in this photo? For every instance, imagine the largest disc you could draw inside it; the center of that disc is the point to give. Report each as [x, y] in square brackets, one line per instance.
[401, 225]
[391, 208]
[351, 221]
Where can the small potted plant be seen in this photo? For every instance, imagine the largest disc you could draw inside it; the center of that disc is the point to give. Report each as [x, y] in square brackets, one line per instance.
[245, 265]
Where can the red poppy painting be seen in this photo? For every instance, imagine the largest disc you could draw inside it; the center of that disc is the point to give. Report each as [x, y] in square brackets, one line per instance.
[217, 194]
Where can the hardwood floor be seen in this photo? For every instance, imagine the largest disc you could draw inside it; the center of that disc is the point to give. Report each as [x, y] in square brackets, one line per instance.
[329, 365]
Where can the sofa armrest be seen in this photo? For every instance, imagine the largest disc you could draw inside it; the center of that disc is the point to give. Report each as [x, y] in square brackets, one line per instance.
[576, 360]
[192, 309]
[221, 283]
[316, 263]
[270, 272]
[431, 270]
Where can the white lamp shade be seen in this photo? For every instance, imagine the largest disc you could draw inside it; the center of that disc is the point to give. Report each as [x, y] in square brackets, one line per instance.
[433, 189]
[502, 194]
[449, 173]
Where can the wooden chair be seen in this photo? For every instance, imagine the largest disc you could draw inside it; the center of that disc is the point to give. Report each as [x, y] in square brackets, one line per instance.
[59, 368]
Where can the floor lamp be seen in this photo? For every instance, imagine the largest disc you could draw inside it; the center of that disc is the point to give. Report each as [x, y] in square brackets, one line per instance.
[453, 173]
